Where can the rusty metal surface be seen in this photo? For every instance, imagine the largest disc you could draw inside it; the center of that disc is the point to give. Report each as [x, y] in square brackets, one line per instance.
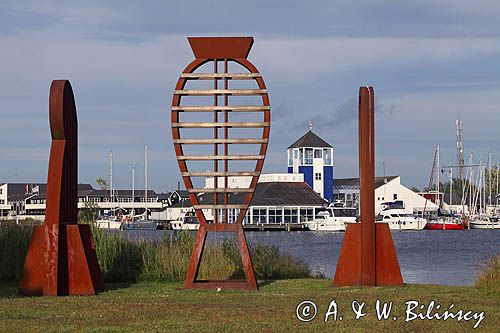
[221, 47]
[61, 258]
[366, 146]
[368, 256]
[220, 50]
[63, 163]
[388, 272]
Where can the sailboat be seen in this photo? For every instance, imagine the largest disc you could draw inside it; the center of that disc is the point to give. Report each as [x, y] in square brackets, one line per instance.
[111, 221]
[144, 223]
[444, 220]
[483, 220]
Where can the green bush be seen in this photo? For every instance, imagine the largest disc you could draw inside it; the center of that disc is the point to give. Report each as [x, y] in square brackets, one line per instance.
[269, 263]
[124, 260]
[489, 278]
[120, 260]
[14, 242]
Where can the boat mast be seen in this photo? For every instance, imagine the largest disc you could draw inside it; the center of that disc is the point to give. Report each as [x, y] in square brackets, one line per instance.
[484, 187]
[470, 190]
[496, 193]
[451, 187]
[146, 181]
[438, 201]
[470, 172]
[133, 192]
[431, 179]
[480, 186]
[489, 178]
[460, 151]
[111, 181]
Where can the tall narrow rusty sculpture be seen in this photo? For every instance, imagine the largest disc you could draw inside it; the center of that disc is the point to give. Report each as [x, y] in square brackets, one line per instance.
[368, 256]
[61, 258]
[221, 51]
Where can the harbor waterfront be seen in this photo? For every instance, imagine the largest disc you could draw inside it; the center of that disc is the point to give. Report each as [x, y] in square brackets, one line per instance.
[426, 257]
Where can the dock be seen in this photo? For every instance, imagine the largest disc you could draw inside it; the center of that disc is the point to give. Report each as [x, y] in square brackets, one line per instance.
[275, 227]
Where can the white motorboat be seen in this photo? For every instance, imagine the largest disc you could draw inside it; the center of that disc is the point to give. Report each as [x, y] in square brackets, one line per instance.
[187, 222]
[110, 222]
[485, 222]
[398, 219]
[332, 219]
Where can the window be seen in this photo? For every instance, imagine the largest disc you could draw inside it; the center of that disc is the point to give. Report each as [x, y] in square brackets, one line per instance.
[317, 176]
[306, 214]
[395, 196]
[308, 158]
[275, 215]
[318, 153]
[339, 196]
[290, 158]
[295, 153]
[259, 215]
[327, 156]
[291, 215]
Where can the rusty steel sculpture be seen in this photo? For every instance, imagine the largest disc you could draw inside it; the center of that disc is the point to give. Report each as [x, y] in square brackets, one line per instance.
[61, 258]
[368, 256]
[228, 213]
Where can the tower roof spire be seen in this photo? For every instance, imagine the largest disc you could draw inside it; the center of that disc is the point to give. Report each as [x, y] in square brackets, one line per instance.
[311, 140]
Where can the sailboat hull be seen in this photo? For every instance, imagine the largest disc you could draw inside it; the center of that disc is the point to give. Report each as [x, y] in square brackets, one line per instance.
[443, 226]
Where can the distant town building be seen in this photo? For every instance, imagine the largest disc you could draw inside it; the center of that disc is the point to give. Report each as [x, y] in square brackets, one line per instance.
[22, 201]
[279, 198]
[312, 156]
[13, 197]
[387, 189]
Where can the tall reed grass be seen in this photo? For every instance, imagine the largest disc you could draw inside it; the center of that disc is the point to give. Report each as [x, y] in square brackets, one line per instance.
[14, 242]
[489, 278]
[269, 263]
[125, 260]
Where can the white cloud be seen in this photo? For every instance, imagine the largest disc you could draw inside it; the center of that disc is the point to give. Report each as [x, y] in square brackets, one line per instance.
[123, 62]
[309, 58]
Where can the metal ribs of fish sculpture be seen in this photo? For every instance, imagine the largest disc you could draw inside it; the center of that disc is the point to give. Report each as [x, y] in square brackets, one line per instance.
[225, 51]
[61, 257]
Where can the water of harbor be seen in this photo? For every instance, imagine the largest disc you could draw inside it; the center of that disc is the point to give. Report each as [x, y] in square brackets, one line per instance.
[426, 257]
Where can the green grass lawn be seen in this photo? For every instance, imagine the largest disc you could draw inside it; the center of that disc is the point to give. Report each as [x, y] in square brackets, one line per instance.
[165, 307]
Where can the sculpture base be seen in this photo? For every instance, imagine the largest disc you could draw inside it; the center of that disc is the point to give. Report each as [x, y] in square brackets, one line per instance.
[351, 272]
[61, 261]
[191, 281]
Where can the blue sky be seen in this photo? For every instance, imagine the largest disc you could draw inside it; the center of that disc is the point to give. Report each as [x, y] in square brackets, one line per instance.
[429, 62]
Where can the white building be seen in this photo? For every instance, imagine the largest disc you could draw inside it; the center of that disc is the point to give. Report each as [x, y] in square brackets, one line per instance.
[28, 201]
[243, 182]
[387, 189]
[14, 197]
[279, 198]
[312, 156]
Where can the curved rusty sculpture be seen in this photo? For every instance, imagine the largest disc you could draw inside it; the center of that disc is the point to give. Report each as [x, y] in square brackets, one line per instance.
[61, 258]
[368, 256]
[221, 50]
